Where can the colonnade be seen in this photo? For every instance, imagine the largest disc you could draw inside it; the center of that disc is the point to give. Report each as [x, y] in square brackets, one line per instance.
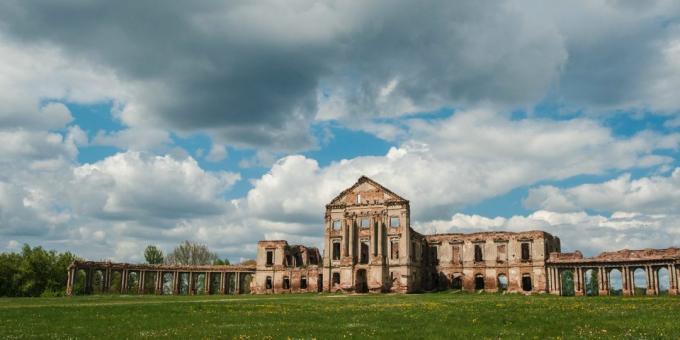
[158, 279]
[627, 269]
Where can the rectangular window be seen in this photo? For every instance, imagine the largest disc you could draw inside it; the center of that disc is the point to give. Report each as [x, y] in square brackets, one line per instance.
[270, 258]
[526, 254]
[502, 255]
[434, 255]
[337, 224]
[456, 258]
[364, 223]
[336, 279]
[336, 250]
[479, 256]
[394, 221]
[394, 249]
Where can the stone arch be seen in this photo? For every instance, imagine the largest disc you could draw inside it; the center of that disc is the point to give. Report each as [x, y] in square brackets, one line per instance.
[639, 281]
[167, 284]
[183, 283]
[457, 281]
[502, 282]
[215, 283]
[479, 282]
[98, 284]
[199, 283]
[244, 283]
[591, 282]
[567, 283]
[615, 282]
[149, 282]
[663, 280]
[132, 282]
[116, 282]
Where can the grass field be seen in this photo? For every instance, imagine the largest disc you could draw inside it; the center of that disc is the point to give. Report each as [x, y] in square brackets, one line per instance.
[435, 315]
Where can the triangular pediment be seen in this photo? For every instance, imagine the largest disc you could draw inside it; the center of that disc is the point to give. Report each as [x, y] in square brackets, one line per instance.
[366, 191]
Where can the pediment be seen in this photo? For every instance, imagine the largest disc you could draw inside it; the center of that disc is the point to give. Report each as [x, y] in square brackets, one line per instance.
[366, 191]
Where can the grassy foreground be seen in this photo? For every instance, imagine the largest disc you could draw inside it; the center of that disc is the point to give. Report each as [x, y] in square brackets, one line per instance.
[436, 315]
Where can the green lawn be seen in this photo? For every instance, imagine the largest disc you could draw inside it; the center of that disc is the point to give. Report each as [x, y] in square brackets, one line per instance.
[435, 315]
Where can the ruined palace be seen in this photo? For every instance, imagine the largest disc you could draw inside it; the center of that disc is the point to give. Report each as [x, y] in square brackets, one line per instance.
[369, 246]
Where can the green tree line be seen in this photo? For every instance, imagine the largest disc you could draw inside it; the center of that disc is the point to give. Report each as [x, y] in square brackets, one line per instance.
[34, 272]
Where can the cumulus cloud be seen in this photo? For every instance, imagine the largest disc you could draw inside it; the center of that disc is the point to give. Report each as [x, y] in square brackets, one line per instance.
[651, 195]
[450, 163]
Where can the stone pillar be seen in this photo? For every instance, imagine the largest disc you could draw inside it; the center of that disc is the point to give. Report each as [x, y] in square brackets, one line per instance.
[237, 289]
[175, 283]
[191, 283]
[578, 282]
[380, 236]
[351, 242]
[345, 228]
[649, 272]
[223, 284]
[157, 289]
[673, 289]
[602, 281]
[107, 280]
[123, 281]
[69, 281]
[625, 281]
[207, 283]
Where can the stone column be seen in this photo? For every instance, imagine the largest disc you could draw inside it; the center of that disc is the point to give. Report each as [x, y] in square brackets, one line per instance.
[223, 285]
[142, 278]
[69, 282]
[107, 280]
[380, 236]
[207, 283]
[345, 228]
[124, 281]
[673, 289]
[237, 289]
[578, 288]
[602, 283]
[175, 283]
[649, 272]
[157, 289]
[625, 278]
[351, 242]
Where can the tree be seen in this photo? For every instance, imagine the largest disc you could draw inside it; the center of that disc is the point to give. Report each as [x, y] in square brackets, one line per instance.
[248, 262]
[153, 255]
[191, 253]
[34, 272]
[222, 262]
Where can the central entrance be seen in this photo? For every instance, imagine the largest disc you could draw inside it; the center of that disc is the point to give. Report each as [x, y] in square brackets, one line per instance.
[361, 283]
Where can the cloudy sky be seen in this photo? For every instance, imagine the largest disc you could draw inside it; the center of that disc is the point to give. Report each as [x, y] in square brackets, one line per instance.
[124, 124]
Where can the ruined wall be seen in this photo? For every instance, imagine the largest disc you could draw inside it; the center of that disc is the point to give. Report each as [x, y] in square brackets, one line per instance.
[287, 269]
[489, 256]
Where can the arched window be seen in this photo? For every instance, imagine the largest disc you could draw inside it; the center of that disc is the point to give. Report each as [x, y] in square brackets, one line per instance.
[479, 282]
[502, 282]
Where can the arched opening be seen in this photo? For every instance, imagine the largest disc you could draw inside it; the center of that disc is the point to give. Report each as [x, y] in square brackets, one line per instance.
[231, 283]
[116, 282]
[286, 282]
[166, 284]
[502, 283]
[215, 282]
[149, 282]
[80, 283]
[457, 281]
[303, 282]
[132, 283]
[567, 281]
[361, 284]
[183, 283]
[664, 280]
[363, 258]
[615, 282]
[640, 282]
[199, 283]
[479, 282]
[591, 282]
[526, 283]
[244, 283]
[98, 282]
